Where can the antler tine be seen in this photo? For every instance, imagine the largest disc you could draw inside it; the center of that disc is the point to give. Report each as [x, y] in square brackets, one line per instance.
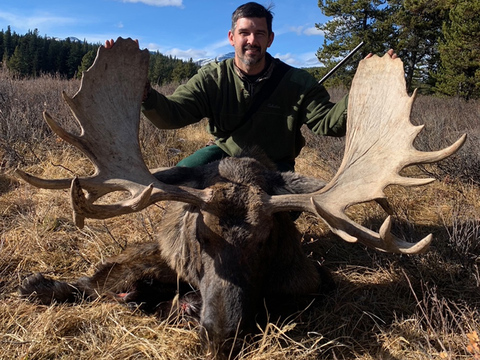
[55, 184]
[85, 208]
[51, 183]
[435, 156]
[379, 144]
[383, 241]
[57, 129]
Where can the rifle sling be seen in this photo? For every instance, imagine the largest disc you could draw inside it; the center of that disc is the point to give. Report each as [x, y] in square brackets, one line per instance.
[264, 93]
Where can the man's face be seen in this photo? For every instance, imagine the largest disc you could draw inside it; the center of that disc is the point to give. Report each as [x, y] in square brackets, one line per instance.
[250, 40]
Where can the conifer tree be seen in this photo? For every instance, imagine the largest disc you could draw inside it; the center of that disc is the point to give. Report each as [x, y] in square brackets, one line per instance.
[31, 55]
[411, 27]
[8, 45]
[351, 23]
[86, 62]
[18, 62]
[459, 73]
[418, 30]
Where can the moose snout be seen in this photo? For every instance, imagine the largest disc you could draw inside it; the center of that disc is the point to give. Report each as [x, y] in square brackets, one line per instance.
[227, 317]
[221, 346]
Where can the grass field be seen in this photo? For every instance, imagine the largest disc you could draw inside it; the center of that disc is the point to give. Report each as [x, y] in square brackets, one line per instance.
[385, 306]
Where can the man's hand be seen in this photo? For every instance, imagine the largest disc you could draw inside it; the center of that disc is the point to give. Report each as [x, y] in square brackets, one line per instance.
[109, 43]
[390, 53]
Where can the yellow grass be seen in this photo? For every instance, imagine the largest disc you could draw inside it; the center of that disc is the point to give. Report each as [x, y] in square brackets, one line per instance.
[385, 306]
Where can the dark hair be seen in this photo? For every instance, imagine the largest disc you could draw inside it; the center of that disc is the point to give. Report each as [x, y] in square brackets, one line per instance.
[253, 10]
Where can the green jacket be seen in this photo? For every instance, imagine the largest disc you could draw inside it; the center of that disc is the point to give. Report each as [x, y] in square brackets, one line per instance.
[222, 94]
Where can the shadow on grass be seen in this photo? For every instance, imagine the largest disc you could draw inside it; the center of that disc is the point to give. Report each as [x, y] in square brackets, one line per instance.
[425, 297]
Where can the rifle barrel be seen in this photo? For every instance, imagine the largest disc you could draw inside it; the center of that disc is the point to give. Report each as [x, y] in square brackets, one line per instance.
[343, 61]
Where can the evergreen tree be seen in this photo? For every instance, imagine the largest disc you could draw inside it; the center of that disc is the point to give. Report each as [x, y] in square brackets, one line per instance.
[353, 22]
[418, 30]
[412, 28]
[459, 73]
[183, 71]
[8, 45]
[31, 55]
[165, 69]
[18, 62]
[86, 62]
[161, 68]
[74, 58]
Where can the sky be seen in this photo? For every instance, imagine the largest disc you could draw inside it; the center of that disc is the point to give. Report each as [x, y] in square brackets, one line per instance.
[186, 29]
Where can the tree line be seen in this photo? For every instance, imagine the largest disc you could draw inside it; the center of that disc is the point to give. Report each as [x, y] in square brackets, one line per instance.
[31, 55]
[436, 39]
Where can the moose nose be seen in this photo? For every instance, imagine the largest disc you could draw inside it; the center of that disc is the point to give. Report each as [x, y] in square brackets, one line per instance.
[220, 344]
[220, 348]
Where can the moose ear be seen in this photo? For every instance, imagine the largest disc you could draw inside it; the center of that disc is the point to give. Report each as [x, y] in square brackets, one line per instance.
[181, 176]
[294, 183]
[198, 177]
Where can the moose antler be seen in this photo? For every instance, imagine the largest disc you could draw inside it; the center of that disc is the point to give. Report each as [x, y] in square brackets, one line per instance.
[107, 108]
[379, 144]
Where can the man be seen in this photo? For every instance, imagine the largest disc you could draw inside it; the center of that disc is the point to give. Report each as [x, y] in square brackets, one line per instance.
[250, 100]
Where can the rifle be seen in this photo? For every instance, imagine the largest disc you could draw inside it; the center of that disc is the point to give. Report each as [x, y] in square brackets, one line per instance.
[343, 61]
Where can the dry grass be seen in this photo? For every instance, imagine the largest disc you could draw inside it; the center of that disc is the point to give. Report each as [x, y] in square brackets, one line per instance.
[385, 306]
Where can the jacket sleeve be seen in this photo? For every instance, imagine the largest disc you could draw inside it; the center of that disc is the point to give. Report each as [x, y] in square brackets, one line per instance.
[187, 105]
[322, 116]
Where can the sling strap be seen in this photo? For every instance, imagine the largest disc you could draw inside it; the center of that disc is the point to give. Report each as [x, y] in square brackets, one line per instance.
[270, 85]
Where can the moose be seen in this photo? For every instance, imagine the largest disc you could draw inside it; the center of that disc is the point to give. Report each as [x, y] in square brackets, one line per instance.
[228, 238]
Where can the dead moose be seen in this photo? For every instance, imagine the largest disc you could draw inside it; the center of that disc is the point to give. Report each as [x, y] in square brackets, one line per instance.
[228, 232]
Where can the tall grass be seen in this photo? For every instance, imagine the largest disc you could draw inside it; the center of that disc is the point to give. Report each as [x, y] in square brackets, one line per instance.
[385, 306]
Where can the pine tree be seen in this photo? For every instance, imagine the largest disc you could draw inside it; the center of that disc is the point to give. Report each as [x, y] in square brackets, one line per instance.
[459, 74]
[18, 62]
[31, 55]
[183, 71]
[412, 28]
[353, 22]
[8, 45]
[86, 62]
[418, 26]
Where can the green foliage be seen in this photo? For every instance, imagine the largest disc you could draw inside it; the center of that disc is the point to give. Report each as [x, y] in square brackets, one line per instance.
[184, 70]
[353, 22]
[166, 69]
[418, 30]
[86, 62]
[459, 74]
[437, 40]
[31, 55]
[316, 72]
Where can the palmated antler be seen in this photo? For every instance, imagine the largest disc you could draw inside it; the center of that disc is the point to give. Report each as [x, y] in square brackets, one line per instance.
[107, 108]
[379, 144]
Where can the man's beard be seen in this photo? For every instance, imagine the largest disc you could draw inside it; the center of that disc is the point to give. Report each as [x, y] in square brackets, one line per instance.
[249, 59]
